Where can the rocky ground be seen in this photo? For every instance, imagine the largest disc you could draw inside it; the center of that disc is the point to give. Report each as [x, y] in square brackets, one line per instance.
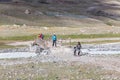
[61, 64]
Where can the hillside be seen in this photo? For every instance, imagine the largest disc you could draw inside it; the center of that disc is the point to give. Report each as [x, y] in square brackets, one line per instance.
[93, 23]
[62, 13]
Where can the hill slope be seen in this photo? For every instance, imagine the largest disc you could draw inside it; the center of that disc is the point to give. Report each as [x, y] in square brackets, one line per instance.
[62, 13]
[42, 13]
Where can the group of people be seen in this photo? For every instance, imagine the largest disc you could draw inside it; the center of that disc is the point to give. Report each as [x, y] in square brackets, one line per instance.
[54, 39]
[77, 48]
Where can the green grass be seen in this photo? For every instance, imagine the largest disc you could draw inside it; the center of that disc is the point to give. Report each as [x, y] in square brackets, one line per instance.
[47, 36]
[93, 42]
[4, 40]
[19, 38]
[109, 23]
[85, 36]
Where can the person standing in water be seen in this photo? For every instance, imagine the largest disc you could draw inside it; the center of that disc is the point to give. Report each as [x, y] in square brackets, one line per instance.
[77, 49]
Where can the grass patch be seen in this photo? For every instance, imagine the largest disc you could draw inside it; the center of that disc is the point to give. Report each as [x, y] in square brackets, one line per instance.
[100, 42]
[19, 38]
[93, 42]
[73, 36]
[109, 23]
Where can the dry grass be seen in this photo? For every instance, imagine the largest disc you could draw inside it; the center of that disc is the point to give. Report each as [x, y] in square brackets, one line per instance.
[54, 71]
[16, 30]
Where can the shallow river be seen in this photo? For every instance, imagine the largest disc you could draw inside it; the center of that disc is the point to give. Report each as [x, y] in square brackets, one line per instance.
[106, 49]
[17, 55]
[32, 54]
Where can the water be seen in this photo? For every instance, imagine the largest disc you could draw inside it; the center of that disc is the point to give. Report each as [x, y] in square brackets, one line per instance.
[105, 52]
[17, 55]
[63, 50]
[96, 51]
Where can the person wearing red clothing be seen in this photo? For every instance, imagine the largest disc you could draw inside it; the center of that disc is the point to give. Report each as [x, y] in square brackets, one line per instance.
[41, 36]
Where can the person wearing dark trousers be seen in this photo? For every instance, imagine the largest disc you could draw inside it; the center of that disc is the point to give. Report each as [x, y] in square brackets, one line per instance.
[77, 49]
[54, 39]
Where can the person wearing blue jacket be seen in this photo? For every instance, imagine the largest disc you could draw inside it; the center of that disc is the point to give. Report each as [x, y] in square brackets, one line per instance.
[54, 39]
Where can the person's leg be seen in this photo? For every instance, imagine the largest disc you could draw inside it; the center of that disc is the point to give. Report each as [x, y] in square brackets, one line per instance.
[53, 43]
[79, 52]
